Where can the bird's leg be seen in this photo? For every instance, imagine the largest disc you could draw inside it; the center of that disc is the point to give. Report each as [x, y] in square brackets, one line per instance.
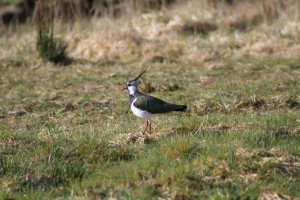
[150, 125]
[146, 127]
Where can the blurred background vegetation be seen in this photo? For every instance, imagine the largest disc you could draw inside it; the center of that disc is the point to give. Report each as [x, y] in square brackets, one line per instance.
[185, 18]
[14, 11]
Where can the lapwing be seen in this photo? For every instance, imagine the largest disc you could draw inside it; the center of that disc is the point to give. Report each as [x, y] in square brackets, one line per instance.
[146, 106]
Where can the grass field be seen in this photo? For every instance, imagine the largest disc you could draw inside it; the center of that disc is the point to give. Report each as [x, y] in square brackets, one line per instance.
[67, 132]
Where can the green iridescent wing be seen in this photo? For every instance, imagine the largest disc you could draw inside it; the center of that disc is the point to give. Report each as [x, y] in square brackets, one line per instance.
[155, 105]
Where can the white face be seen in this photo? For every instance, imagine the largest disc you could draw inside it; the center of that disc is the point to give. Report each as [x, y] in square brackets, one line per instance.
[132, 87]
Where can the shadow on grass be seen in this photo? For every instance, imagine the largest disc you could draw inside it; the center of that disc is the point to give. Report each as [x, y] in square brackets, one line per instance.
[66, 61]
[198, 132]
[94, 63]
[181, 131]
[16, 62]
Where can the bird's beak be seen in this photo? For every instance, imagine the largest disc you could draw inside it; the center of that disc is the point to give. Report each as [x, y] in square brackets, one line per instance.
[124, 88]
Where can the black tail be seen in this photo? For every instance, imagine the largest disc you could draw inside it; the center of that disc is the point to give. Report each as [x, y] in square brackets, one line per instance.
[180, 108]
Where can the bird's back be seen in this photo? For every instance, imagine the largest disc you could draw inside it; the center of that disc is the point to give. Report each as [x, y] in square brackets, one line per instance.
[154, 105]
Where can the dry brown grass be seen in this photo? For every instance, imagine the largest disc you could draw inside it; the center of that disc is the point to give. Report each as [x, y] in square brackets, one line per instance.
[156, 37]
[223, 30]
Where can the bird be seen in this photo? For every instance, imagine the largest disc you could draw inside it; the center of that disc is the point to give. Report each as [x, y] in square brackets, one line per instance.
[146, 106]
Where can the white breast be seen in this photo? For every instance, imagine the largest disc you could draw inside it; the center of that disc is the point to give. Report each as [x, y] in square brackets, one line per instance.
[141, 113]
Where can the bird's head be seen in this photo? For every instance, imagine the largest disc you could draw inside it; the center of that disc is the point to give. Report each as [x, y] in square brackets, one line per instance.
[132, 85]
